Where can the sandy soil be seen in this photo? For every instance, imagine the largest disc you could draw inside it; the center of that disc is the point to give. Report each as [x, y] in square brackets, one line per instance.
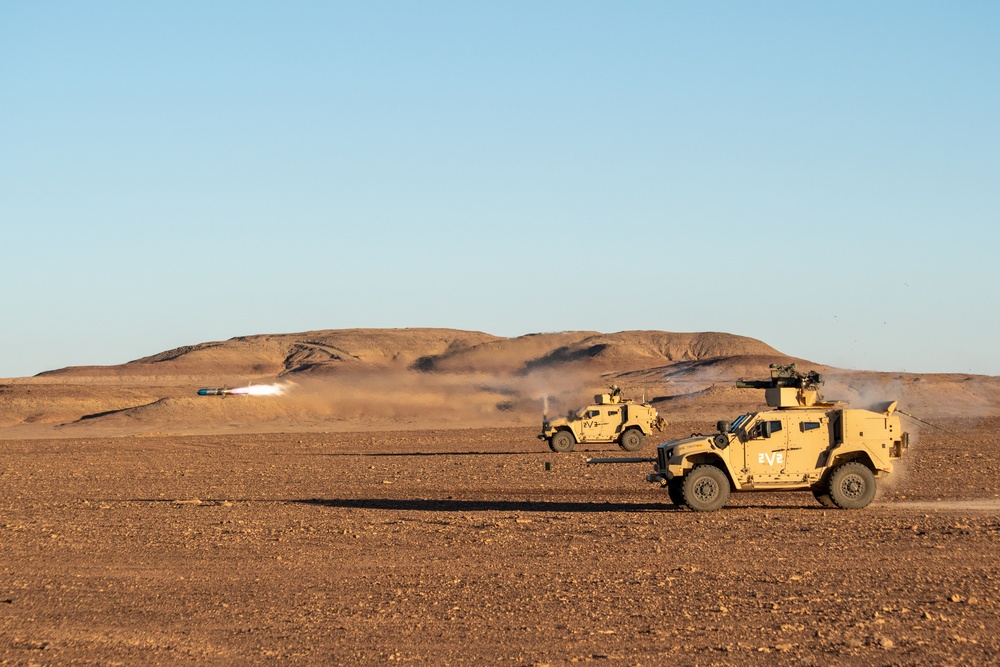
[394, 506]
[460, 547]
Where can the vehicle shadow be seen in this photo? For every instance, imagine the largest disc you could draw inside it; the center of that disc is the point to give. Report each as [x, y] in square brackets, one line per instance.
[451, 505]
[409, 454]
[454, 453]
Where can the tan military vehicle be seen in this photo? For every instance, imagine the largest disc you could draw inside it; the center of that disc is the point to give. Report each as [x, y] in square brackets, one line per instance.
[612, 418]
[802, 443]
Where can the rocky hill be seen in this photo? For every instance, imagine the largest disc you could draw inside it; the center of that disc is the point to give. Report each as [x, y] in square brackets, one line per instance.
[360, 379]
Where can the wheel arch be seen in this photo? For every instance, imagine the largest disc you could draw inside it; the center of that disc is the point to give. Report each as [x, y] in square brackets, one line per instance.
[708, 458]
[565, 429]
[856, 456]
[636, 425]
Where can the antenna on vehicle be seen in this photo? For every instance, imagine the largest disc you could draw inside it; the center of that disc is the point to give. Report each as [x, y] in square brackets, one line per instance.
[935, 426]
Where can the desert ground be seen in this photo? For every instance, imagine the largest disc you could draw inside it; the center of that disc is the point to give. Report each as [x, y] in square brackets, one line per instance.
[396, 506]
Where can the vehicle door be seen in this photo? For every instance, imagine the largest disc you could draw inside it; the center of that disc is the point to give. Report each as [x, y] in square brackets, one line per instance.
[809, 438]
[613, 417]
[593, 424]
[766, 448]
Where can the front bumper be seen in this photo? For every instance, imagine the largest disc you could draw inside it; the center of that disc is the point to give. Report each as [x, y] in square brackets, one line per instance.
[668, 466]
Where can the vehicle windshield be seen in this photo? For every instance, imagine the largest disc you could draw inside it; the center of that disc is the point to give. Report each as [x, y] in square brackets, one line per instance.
[740, 421]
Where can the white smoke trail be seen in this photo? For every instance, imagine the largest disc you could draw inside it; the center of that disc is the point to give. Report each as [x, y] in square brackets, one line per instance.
[276, 389]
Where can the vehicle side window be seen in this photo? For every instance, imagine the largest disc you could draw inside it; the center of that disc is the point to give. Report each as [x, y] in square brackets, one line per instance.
[612, 413]
[766, 428]
[592, 413]
[809, 426]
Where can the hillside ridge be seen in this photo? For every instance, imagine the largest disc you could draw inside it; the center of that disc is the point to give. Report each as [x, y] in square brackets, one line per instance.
[386, 379]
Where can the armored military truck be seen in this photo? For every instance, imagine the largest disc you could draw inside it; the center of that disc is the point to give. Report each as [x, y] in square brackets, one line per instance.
[612, 418]
[801, 443]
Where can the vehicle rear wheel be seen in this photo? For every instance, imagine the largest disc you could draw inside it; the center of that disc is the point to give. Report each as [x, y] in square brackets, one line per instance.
[852, 486]
[675, 489]
[631, 440]
[705, 488]
[822, 495]
[562, 441]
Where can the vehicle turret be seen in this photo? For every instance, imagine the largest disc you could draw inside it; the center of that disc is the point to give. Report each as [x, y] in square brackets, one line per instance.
[789, 388]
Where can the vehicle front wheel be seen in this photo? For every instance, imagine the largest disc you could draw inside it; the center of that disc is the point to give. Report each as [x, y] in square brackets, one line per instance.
[562, 441]
[675, 489]
[705, 488]
[823, 496]
[631, 440]
[852, 486]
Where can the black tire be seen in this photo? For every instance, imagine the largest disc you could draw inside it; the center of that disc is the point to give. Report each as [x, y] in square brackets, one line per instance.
[562, 441]
[705, 488]
[675, 489]
[631, 440]
[721, 440]
[822, 494]
[852, 486]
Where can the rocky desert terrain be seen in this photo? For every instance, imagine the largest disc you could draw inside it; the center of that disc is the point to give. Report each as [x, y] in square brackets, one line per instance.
[395, 506]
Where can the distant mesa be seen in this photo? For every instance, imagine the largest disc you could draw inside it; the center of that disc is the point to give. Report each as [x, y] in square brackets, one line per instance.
[349, 379]
[430, 350]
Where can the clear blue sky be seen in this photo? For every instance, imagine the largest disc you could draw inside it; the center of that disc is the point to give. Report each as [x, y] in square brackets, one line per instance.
[822, 176]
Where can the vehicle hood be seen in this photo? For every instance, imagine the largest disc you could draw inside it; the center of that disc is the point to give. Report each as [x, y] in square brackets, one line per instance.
[684, 441]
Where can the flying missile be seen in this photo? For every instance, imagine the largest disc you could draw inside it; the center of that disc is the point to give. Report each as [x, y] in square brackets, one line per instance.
[215, 391]
[276, 389]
